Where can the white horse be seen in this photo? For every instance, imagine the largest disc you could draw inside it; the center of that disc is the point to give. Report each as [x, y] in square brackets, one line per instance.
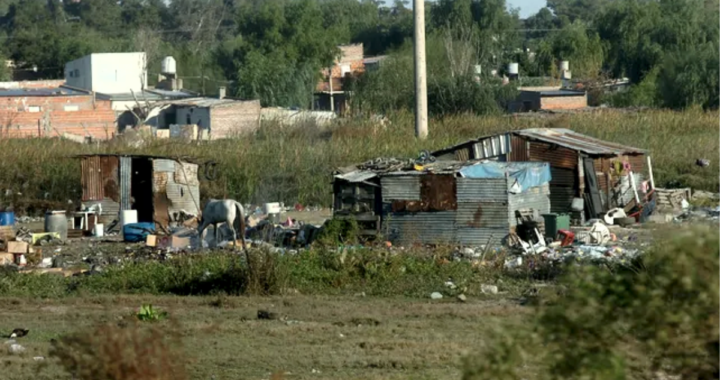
[218, 211]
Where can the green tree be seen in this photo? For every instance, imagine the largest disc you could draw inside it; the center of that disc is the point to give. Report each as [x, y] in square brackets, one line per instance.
[585, 10]
[690, 77]
[581, 47]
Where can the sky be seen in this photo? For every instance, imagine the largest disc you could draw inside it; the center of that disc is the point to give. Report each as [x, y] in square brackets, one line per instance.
[527, 7]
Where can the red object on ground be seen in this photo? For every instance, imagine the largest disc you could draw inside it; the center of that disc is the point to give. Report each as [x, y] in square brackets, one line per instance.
[566, 237]
[299, 207]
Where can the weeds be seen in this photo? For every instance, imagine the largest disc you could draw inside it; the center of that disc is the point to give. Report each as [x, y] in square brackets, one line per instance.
[131, 353]
[149, 314]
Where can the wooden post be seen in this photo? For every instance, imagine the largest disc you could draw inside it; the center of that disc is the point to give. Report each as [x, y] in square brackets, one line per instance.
[421, 112]
[650, 170]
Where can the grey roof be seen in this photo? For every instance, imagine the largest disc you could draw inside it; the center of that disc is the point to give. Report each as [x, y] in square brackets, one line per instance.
[148, 94]
[59, 91]
[204, 102]
[554, 93]
[562, 137]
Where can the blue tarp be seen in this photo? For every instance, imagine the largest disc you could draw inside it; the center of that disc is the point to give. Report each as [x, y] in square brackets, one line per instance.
[527, 174]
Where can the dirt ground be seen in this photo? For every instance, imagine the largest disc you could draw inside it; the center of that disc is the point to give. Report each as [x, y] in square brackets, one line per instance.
[349, 337]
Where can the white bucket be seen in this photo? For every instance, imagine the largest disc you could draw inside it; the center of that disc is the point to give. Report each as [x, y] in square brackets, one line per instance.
[578, 204]
[127, 217]
[272, 208]
[99, 230]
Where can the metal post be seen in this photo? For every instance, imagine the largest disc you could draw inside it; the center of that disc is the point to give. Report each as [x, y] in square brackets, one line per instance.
[421, 113]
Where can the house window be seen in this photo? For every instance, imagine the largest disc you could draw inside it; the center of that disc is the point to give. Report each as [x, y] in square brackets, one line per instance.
[71, 108]
[77, 73]
[33, 109]
[72, 74]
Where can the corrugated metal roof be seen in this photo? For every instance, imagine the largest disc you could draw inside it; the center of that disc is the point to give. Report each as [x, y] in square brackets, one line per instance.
[357, 176]
[59, 91]
[562, 137]
[576, 141]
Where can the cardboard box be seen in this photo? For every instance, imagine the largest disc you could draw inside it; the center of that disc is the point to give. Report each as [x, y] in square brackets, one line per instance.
[17, 247]
[179, 242]
[6, 258]
[151, 240]
[167, 241]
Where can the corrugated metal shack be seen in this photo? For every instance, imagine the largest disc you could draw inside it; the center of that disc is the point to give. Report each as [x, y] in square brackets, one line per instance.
[581, 166]
[444, 202]
[155, 186]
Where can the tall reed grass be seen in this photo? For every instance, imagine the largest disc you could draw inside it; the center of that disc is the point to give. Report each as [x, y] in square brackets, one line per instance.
[293, 164]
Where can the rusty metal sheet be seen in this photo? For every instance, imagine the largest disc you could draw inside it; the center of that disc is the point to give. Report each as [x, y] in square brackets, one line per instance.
[91, 179]
[439, 192]
[160, 180]
[557, 156]
[125, 183]
[518, 149]
[110, 177]
[578, 142]
[462, 154]
[161, 205]
[186, 174]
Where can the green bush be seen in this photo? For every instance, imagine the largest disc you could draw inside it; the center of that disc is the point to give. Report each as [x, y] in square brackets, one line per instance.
[657, 314]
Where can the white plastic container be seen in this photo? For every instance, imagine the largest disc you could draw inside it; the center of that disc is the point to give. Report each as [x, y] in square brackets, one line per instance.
[127, 217]
[272, 208]
[578, 204]
[99, 230]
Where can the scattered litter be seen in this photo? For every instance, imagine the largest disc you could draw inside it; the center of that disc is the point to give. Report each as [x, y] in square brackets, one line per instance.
[15, 348]
[38, 358]
[462, 298]
[489, 289]
[436, 296]
[450, 284]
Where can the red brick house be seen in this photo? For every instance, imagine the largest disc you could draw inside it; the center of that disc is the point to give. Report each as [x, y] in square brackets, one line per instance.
[32, 111]
[329, 92]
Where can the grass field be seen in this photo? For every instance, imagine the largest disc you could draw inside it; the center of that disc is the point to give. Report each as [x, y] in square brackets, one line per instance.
[293, 164]
[341, 337]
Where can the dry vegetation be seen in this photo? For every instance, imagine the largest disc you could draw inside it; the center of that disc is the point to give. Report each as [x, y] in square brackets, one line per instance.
[294, 164]
[341, 337]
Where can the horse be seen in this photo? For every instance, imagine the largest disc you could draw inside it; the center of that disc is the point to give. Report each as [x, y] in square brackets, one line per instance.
[219, 211]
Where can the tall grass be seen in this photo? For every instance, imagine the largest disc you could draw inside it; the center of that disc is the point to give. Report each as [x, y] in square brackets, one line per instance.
[293, 164]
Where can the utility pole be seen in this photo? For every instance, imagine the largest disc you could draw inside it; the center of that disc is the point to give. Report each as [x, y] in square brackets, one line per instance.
[421, 113]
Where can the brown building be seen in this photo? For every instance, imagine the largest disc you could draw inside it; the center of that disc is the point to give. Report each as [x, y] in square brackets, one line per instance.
[581, 166]
[548, 99]
[330, 94]
[31, 111]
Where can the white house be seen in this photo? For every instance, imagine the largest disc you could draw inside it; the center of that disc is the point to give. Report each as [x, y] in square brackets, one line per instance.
[108, 73]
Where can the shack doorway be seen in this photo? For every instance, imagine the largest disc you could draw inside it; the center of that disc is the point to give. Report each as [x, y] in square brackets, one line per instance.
[142, 189]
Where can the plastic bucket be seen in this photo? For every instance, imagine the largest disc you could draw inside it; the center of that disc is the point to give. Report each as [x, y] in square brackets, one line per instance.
[127, 217]
[99, 230]
[56, 221]
[7, 218]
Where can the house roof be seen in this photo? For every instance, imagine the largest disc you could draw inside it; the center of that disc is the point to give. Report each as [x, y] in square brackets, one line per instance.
[206, 102]
[557, 93]
[147, 94]
[561, 137]
[579, 142]
[57, 91]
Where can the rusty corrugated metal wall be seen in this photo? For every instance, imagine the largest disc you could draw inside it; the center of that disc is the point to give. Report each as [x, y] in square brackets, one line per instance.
[565, 184]
[176, 187]
[91, 179]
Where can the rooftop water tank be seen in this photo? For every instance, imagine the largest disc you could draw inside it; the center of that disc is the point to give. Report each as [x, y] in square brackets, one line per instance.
[168, 66]
[513, 68]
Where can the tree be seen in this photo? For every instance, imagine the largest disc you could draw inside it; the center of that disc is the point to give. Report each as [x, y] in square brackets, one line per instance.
[690, 77]
[581, 47]
[584, 10]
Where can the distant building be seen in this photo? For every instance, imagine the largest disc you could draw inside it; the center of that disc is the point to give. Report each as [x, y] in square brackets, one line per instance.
[108, 73]
[29, 110]
[221, 118]
[330, 94]
[547, 98]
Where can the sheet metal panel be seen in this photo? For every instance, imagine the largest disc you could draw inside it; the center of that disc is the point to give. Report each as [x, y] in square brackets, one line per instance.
[481, 189]
[163, 165]
[404, 188]
[482, 215]
[110, 211]
[480, 236]
[557, 157]
[186, 174]
[492, 146]
[183, 197]
[125, 182]
[536, 198]
[577, 141]
[563, 177]
[110, 177]
[561, 198]
[91, 178]
[518, 150]
[421, 227]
